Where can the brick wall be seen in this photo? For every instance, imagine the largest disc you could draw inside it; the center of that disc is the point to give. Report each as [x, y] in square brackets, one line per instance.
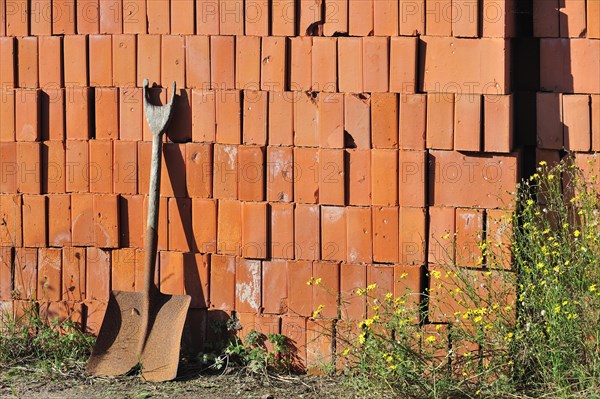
[338, 139]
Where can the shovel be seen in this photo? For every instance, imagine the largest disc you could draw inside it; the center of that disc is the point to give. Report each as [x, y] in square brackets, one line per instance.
[144, 328]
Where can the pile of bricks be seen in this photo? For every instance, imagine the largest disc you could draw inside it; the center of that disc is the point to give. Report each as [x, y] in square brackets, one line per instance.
[332, 139]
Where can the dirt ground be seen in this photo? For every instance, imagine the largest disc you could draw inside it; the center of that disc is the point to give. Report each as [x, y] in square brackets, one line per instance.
[235, 385]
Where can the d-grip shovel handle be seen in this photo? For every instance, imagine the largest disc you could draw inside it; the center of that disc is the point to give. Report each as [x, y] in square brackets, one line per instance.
[158, 118]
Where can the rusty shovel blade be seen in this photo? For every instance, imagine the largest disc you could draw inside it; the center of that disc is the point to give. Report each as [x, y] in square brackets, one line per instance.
[144, 328]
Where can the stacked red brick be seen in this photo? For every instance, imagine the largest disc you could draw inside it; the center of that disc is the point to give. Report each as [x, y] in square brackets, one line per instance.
[309, 141]
[568, 104]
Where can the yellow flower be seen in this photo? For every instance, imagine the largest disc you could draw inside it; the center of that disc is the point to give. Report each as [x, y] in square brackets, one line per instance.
[388, 296]
[361, 338]
[576, 233]
[318, 311]
[392, 367]
[371, 287]
[431, 338]
[360, 292]
[592, 287]
[346, 351]
[543, 163]
[436, 274]
[318, 281]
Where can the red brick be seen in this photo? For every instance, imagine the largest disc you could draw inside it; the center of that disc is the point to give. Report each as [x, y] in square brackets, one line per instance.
[228, 109]
[27, 115]
[125, 167]
[413, 235]
[384, 177]
[197, 59]
[158, 16]
[283, 18]
[439, 18]
[106, 221]
[306, 179]
[59, 217]
[353, 277]
[499, 122]
[248, 61]
[182, 17]
[207, 17]
[306, 117]
[180, 128]
[63, 21]
[73, 273]
[319, 344]
[49, 272]
[335, 18]
[254, 230]
[324, 65]
[106, 113]
[130, 112]
[500, 18]
[375, 63]
[123, 270]
[498, 232]
[294, 329]
[273, 60]
[357, 120]
[441, 234]
[465, 18]
[383, 278]
[28, 62]
[173, 170]
[248, 285]
[10, 211]
[299, 295]
[49, 50]
[25, 273]
[593, 19]
[280, 177]
[29, 159]
[40, 23]
[111, 16]
[78, 111]
[124, 60]
[232, 20]
[408, 283]
[7, 69]
[310, 17]
[52, 114]
[75, 60]
[385, 17]
[546, 18]
[34, 221]
[148, 63]
[359, 241]
[77, 173]
[255, 117]
[196, 278]
[171, 273]
[360, 18]
[484, 181]
[180, 235]
[384, 120]
[97, 274]
[274, 287]
[172, 60]
[326, 293]
[7, 115]
[100, 166]
[403, 64]
[333, 233]
[280, 119]
[17, 19]
[204, 217]
[331, 120]
[385, 234]
[412, 178]
[229, 232]
[572, 18]
[301, 62]
[257, 18]
[6, 266]
[199, 170]
[204, 125]
[576, 122]
[469, 234]
[225, 171]
[467, 122]
[131, 213]
[222, 56]
[53, 163]
[9, 167]
[331, 177]
[281, 232]
[163, 222]
[358, 166]
[101, 51]
[577, 73]
[549, 120]
[82, 219]
[350, 64]
[222, 275]
[251, 186]
[88, 16]
[440, 121]
[595, 110]
[306, 234]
